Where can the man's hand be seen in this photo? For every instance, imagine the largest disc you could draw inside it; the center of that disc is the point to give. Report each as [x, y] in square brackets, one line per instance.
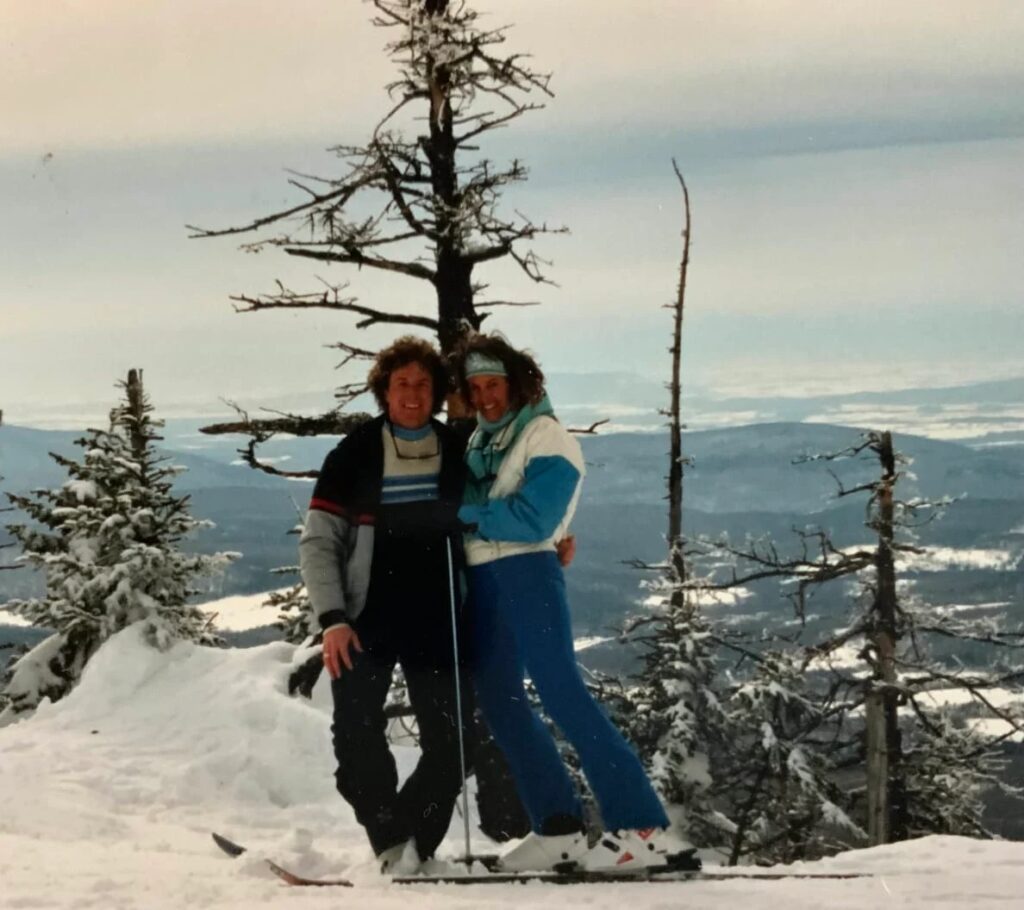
[337, 644]
[566, 550]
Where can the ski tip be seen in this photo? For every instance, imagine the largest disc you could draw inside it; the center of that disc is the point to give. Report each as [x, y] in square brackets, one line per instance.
[283, 874]
[290, 878]
[228, 846]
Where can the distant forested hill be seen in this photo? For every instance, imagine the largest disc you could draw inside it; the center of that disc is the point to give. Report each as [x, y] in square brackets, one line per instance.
[742, 481]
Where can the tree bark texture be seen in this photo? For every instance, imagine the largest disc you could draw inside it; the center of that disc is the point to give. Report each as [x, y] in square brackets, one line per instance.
[886, 802]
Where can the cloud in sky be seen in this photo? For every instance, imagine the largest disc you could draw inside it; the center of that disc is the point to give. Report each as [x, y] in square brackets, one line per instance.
[110, 73]
[855, 170]
[94, 73]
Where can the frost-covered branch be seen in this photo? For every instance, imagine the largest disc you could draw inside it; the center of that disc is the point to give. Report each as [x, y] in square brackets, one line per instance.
[332, 423]
[260, 431]
[433, 200]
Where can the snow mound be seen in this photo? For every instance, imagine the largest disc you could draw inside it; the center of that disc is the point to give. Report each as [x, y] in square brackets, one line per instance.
[110, 795]
[221, 720]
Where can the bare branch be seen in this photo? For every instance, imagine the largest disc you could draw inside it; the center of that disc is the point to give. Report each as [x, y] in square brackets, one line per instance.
[347, 393]
[355, 256]
[497, 122]
[337, 197]
[330, 299]
[351, 353]
[591, 430]
[487, 304]
[248, 455]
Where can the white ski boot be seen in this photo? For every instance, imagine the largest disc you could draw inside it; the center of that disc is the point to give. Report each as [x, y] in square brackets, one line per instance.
[542, 853]
[636, 849]
[400, 859]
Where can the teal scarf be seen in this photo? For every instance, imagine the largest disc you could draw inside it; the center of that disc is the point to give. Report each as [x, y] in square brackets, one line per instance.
[487, 448]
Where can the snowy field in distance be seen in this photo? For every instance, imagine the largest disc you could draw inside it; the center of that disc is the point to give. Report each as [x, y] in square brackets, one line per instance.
[241, 612]
[109, 797]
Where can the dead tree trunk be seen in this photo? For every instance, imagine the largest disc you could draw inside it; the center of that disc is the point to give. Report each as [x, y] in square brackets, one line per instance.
[675, 470]
[886, 801]
[137, 412]
[452, 277]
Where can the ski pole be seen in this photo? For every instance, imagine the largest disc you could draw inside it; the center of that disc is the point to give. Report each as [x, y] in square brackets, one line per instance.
[458, 695]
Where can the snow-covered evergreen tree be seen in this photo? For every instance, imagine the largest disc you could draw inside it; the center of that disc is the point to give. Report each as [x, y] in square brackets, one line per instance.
[294, 617]
[677, 717]
[777, 778]
[108, 542]
[298, 626]
[947, 768]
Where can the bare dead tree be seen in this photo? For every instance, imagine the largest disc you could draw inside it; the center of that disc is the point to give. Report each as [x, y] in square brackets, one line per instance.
[677, 717]
[417, 199]
[433, 200]
[889, 636]
[675, 470]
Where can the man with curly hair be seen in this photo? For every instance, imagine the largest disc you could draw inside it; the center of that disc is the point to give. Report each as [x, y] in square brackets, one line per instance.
[374, 555]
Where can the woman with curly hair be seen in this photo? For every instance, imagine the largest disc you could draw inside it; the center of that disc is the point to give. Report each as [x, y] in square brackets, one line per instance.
[523, 478]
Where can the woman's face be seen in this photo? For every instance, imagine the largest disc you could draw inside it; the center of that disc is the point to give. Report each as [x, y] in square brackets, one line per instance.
[489, 396]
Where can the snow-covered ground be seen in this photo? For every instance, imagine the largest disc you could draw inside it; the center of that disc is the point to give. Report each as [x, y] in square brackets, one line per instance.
[109, 797]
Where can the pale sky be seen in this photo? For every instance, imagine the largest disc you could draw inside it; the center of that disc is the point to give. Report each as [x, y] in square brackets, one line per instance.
[855, 175]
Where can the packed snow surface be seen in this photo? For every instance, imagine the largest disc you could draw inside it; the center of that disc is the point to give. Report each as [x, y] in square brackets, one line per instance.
[109, 798]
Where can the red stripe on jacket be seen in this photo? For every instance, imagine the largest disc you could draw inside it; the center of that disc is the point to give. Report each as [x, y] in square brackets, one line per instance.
[325, 505]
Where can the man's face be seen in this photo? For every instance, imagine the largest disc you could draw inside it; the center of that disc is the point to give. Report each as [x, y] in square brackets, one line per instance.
[410, 396]
[489, 396]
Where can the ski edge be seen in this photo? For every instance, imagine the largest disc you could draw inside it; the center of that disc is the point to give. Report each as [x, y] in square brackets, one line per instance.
[587, 878]
[552, 878]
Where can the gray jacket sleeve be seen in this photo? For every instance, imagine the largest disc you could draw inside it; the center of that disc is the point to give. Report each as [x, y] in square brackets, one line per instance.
[325, 548]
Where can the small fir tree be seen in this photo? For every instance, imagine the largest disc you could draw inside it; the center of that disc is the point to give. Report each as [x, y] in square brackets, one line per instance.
[947, 768]
[778, 777]
[677, 717]
[108, 542]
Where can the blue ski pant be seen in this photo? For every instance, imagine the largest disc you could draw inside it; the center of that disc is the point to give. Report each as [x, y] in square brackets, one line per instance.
[519, 620]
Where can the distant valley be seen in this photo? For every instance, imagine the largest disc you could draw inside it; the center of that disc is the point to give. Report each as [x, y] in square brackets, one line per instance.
[742, 480]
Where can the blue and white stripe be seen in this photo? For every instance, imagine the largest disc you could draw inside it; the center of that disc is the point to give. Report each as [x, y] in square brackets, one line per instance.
[412, 465]
[410, 488]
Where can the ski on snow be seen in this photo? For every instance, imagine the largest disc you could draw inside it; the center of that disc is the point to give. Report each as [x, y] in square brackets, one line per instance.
[589, 877]
[572, 876]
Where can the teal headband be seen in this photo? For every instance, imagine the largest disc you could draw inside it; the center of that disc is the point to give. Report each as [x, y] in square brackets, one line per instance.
[478, 364]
